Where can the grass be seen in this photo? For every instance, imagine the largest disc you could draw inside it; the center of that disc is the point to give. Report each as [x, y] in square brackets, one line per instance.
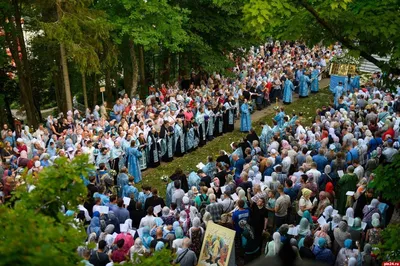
[188, 163]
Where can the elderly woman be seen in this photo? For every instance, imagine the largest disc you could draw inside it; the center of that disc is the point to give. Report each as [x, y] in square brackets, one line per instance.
[345, 253]
[323, 203]
[341, 234]
[305, 203]
[373, 235]
[177, 243]
[273, 246]
[304, 227]
[323, 233]
[322, 253]
[196, 234]
[137, 250]
[369, 210]
[146, 238]
[365, 258]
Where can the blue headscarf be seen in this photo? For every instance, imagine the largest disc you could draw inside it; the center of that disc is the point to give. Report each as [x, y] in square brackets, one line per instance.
[146, 238]
[348, 243]
[159, 245]
[179, 233]
[94, 226]
[307, 215]
[322, 242]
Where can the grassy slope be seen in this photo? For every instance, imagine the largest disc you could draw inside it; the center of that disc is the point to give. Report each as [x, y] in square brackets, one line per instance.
[188, 162]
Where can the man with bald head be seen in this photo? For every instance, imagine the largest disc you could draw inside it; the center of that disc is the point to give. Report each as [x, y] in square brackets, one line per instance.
[159, 238]
[186, 257]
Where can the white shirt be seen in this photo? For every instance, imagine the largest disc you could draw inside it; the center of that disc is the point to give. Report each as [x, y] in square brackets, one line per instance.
[90, 152]
[86, 213]
[316, 174]
[286, 162]
[147, 221]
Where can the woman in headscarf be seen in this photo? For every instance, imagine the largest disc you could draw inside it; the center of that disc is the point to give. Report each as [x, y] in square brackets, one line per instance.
[330, 189]
[365, 258]
[177, 243]
[196, 234]
[126, 236]
[305, 203]
[304, 227]
[324, 178]
[373, 235]
[369, 210]
[323, 233]
[108, 231]
[216, 188]
[349, 214]
[295, 247]
[341, 234]
[311, 185]
[273, 246]
[356, 230]
[307, 215]
[206, 219]
[146, 238]
[323, 203]
[94, 226]
[184, 221]
[322, 253]
[249, 244]
[345, 253]
[137, 250]
[327, 213]
[167, 217]
[361, 187]
[159, 246]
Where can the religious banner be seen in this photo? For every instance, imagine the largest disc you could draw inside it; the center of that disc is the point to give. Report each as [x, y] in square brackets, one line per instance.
[217, 246]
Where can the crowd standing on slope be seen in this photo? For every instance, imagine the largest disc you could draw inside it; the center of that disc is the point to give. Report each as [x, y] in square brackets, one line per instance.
[306, 186]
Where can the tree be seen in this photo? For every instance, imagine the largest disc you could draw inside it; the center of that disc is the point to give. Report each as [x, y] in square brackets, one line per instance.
[144, 23]
[11, 25]
[34, 230]
[79, 30]
[386, 180]
[365, 26]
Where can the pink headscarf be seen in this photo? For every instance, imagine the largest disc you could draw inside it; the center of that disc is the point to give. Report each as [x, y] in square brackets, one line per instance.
[24, 155]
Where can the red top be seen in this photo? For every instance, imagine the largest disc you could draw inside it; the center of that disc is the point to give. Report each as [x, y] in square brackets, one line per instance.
[389, 132]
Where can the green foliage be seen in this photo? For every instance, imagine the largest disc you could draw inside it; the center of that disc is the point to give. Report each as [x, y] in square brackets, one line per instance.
[389, 249]
[366, 26]
[81, 29]
[386, 180]
[35, 232]
[159, 258]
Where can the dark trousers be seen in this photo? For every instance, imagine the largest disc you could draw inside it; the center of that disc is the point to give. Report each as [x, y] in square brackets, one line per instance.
[279, 221]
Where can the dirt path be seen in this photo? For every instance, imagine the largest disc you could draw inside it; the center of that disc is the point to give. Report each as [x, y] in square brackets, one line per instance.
[257, 115]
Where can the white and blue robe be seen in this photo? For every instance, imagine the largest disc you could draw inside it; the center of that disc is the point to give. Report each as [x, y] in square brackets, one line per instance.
[202, 128]
[179, 140]
[314, 80]
[303, 90]
[288, 91]
[167, 150]
[245, 118]
[134, 155]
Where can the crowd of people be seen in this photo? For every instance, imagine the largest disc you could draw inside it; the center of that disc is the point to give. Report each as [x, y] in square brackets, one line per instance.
[306, 186]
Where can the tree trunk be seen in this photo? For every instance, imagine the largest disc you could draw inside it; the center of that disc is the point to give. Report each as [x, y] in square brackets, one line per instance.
[64, 65]
[95, 90]
[142, 73]
[85, 99]
[16, 43]
[135, 69]
[167, 67]
[126, 64]
[109, 95]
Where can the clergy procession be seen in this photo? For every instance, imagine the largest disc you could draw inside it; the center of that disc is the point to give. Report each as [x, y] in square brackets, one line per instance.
[293, 187]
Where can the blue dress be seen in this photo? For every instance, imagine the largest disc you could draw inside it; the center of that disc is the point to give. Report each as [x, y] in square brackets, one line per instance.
[303, 91]
[347, 85]
[355, 84]
[245, 118]
[133, 163]
[314, 82]
[288, 91]
[337, 93]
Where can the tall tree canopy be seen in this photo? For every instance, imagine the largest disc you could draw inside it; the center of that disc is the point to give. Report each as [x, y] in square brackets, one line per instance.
[366, 27]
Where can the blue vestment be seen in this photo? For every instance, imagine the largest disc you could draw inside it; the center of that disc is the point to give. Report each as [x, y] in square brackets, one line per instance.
[314, 82]
[303, 91]
[245, 118]
[133, 163]
[288, 91]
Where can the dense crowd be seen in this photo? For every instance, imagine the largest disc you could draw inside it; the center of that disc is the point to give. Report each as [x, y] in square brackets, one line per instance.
[292, 184]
